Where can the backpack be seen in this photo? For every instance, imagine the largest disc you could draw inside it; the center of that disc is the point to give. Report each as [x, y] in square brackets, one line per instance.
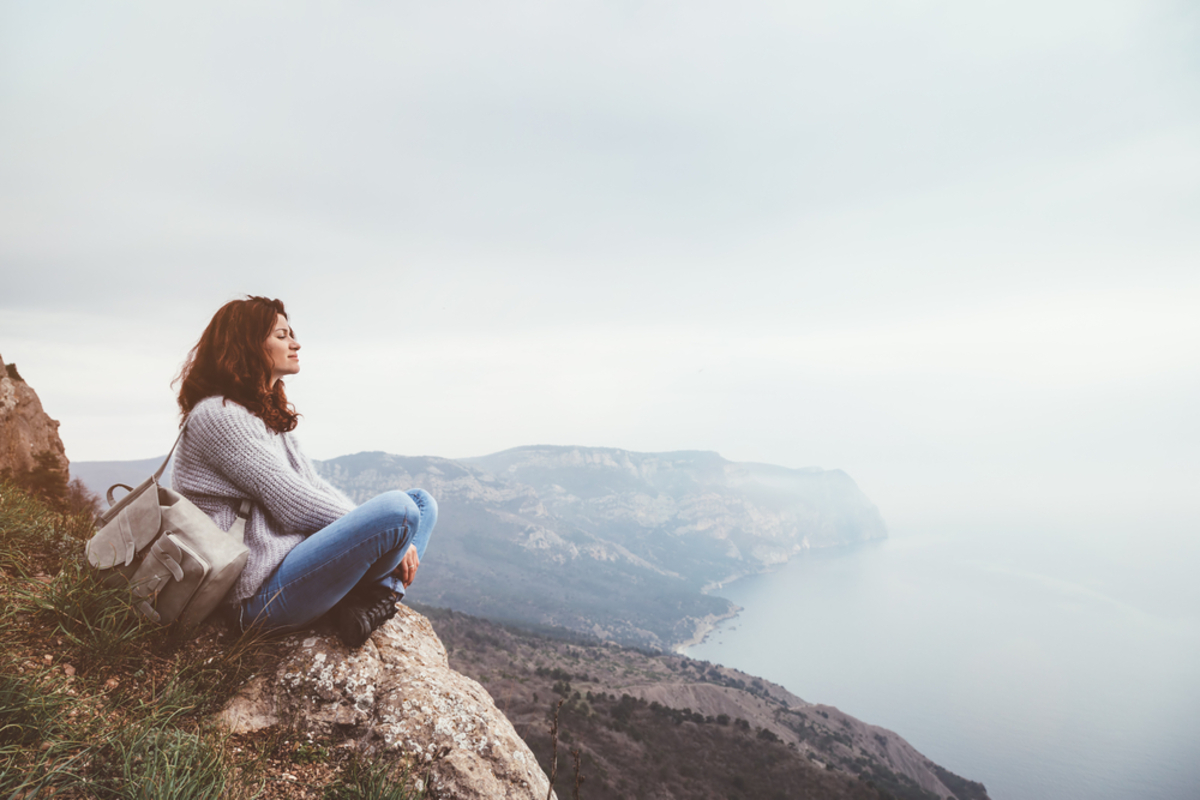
[175, 560]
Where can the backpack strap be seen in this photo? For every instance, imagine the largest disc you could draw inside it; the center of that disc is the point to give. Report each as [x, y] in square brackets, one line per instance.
[243, 513]
[163, 466]
[238, 531]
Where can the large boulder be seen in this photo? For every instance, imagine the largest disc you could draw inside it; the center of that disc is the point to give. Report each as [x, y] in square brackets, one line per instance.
[26, 430]
[395, 694]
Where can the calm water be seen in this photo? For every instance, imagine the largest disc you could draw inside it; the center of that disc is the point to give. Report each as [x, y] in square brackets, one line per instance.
[1044, 666]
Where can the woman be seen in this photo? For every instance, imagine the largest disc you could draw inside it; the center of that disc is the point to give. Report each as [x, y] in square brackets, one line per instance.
[311, 549]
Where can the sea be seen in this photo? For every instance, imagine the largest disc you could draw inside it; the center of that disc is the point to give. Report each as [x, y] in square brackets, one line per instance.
[1045, 665]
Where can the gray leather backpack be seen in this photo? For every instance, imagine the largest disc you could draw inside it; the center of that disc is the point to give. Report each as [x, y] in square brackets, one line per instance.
[175, 560]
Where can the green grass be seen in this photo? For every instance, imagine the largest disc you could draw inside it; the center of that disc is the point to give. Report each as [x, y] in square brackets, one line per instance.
[34, 537]
[169, 764]
[96, 621]
[28, 711]
[95, 702]
[370, 780]
[37, 755]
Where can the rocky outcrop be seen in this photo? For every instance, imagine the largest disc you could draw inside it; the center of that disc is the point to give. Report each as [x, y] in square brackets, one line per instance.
[395, 694]
[25, 429]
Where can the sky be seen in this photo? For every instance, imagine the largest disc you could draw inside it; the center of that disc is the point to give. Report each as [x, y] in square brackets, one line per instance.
[949, 248]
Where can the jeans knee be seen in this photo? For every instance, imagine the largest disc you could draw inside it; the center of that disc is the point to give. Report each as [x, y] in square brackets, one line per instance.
[426, 503]
[400, 509]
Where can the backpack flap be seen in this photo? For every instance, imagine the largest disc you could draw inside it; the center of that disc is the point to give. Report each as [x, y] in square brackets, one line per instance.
[181, 514]
[127, 528]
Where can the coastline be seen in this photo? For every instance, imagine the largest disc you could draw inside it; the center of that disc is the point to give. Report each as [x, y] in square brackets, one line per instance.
[704, 627]
[714, 586]
[708, 624]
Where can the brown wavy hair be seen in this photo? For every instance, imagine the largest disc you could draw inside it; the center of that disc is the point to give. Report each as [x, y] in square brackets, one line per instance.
[230, 361]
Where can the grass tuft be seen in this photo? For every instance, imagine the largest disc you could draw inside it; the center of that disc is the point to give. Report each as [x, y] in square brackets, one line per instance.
[97, 621]
[27, 711]
[35, 538]
[372, 780]
[169, 764]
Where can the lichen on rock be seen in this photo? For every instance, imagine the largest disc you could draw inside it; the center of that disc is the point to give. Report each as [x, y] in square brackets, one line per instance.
[395, 694]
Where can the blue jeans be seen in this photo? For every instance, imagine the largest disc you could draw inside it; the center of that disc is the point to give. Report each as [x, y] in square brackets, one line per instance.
[363, 547]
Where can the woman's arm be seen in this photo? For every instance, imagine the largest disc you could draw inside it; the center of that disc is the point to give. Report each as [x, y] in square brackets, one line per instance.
[309, 471]
[238, 445]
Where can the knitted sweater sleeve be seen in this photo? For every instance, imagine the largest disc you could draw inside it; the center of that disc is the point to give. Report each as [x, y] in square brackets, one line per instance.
[238, 444]
[309, 470]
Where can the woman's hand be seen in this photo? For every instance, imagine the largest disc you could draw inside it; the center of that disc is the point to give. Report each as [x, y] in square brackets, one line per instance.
[407, 569]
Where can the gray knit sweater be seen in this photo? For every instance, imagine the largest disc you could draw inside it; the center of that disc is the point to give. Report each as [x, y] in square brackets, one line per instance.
[228, 454]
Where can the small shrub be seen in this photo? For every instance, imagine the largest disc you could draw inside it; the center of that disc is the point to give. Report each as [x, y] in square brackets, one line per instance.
[310, 753]
[767, 735]
[46, 480]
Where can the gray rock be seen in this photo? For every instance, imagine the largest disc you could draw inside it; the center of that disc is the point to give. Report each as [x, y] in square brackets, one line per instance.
[395, 694]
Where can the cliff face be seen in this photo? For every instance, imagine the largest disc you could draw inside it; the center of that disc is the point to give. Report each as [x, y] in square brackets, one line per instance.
[664, 725]
[25, 428]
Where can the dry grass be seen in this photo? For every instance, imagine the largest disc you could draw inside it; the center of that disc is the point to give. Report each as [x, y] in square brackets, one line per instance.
[97, 703]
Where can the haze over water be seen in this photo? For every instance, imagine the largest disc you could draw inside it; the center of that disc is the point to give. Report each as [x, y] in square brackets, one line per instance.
[1031, 661]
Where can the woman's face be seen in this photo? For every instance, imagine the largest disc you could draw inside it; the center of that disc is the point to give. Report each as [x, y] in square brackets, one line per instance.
[283, 350]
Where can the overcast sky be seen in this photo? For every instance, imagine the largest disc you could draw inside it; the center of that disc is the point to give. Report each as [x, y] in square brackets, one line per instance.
[951, 248]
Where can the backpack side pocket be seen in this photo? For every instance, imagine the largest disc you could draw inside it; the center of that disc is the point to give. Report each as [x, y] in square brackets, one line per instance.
[169, 576]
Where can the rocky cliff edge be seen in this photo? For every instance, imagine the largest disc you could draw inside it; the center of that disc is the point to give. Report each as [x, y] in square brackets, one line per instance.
[395, 694]
[25, 428]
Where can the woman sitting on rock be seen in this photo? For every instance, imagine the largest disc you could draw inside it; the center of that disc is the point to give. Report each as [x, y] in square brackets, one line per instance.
[311, 549]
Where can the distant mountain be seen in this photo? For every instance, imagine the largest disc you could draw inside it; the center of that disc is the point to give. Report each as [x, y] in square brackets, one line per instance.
[693, 513]
[617, 544]
[620, 545]
[99, 475]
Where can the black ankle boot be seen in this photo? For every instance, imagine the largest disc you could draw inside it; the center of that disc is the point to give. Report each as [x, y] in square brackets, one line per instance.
[360, 613]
